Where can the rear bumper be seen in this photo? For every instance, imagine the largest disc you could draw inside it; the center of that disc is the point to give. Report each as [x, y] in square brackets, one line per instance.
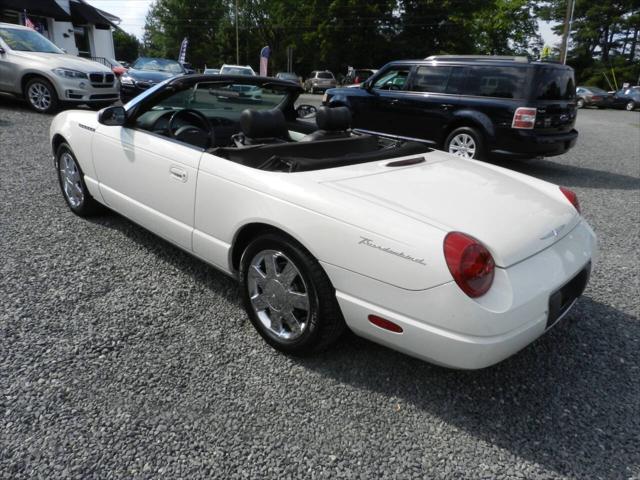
[529, 144]
[444, 326]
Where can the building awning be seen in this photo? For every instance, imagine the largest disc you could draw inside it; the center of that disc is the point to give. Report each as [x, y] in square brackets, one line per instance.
[82, 14]
[46, 8]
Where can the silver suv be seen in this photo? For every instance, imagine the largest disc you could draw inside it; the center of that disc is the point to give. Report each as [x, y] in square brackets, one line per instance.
[320, 81]
[33, 67]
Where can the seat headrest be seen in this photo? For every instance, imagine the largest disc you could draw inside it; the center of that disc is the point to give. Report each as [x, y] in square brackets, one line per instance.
[335, 118]
[263, 123]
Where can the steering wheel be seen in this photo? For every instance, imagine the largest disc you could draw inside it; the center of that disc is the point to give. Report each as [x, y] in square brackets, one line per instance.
[393, 86]
[201, 135]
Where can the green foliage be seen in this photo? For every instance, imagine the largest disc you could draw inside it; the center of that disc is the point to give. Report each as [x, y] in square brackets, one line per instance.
[126, 45]
[604, 35]
[335, 34]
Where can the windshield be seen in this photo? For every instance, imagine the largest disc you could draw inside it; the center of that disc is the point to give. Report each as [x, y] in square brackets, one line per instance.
[236, 71]
[324, 75]
[554, 84]
[596, 90]
[27, 41]
[287, 76]
[225, 99]
[158, 65]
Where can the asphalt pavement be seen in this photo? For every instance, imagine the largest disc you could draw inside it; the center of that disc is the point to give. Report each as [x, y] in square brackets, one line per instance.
[123, 357]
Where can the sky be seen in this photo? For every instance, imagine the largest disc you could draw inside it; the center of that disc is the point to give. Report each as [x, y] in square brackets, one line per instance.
[133, 13]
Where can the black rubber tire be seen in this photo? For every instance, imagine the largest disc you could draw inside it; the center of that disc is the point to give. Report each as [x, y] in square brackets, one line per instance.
[55, 103]
[89, 206]
[580, 103]
[326, 323]
[630, 106]
[478, 138]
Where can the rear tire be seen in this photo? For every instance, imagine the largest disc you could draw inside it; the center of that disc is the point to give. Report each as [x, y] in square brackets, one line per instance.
[465, 142]
[71, 180]
[41, 95]
[288, 296]
[630, 106]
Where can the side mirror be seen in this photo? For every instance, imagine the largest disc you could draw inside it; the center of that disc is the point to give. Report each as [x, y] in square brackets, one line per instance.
[306, 111]
[113, 116]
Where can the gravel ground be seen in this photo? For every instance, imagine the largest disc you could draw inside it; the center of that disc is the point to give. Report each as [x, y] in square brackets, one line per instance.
[122, 357]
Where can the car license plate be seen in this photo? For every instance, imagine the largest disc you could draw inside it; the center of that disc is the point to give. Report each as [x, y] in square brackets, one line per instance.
[561, 301]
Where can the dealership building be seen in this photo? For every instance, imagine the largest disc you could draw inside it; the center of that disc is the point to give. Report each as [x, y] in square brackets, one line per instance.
[73, 25]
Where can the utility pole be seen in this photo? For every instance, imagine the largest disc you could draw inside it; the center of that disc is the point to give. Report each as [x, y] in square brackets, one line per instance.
[237, 38]
[568, 21]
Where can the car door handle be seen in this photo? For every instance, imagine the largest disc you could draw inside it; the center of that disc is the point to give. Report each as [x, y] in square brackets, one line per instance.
[447, 106]
[178, 174]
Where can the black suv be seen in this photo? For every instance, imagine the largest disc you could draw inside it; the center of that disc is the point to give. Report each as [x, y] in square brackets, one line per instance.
[472, 106]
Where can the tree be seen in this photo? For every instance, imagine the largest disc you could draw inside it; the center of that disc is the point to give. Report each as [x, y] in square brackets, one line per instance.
[170, 21]
[126, 45]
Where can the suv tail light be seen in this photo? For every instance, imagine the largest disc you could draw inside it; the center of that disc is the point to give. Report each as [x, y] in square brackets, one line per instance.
[572, 197]
[524, 117]
[470, 263]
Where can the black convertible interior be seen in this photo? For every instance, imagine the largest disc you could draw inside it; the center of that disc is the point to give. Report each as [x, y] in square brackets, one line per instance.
[263, 139]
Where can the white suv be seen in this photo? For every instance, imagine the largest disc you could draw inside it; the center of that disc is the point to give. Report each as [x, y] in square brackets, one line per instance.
[236, 70]
[33, 67]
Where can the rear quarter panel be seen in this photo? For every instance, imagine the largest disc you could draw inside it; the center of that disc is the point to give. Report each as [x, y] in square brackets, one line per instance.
[370, 241]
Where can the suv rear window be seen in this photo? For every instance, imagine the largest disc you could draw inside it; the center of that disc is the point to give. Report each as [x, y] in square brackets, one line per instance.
[554, 84]
[324, 75]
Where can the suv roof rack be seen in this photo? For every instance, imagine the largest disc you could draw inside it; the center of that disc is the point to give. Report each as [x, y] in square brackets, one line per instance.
[481, 58]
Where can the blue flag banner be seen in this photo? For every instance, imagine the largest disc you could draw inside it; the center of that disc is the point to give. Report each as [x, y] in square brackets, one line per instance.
[183, 50]
[264, 60]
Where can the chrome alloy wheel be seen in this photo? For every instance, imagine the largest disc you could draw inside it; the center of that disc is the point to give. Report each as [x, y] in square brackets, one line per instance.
[463, 145]
[630, 106]
[279, 295]
[70, 180]
[39, 96]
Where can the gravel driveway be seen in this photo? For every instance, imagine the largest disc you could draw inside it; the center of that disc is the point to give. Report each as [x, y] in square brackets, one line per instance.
[123, 357]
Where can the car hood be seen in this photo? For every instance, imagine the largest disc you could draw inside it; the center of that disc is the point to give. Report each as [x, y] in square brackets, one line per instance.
[514, 215]
[149, 75]
[63, 60]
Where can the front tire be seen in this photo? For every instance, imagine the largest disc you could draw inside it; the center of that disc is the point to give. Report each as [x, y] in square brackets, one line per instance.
[71, 180]
[41, 95]
[630, 106]
[465, 142]
[580, 103]
[288, 296]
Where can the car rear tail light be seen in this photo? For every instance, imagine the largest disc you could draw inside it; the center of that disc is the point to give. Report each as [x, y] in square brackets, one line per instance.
[470, 263]
[524, 118]
[595, 97]
[572, 197]
[384, 323]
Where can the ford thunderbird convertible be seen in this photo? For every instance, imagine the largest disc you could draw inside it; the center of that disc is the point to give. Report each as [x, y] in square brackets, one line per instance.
[454, 261]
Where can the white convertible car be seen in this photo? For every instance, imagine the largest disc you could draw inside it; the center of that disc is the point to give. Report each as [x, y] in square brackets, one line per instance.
[453, 261]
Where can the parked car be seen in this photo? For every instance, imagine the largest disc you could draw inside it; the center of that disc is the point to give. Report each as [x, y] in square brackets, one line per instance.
[471, 106]
[146, 72]
[359, 75]
[292, 77]
[124, 63]
[34, 68]
[211, 71]
[320, 81]
[236, 70]
[462, 264]
[593, 97]
[627, 98]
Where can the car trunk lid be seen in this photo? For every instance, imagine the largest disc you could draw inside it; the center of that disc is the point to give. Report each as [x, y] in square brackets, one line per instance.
[515, 219]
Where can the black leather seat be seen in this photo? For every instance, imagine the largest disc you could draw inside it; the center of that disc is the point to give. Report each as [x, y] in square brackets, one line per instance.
[263, 126]
[332, 123]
